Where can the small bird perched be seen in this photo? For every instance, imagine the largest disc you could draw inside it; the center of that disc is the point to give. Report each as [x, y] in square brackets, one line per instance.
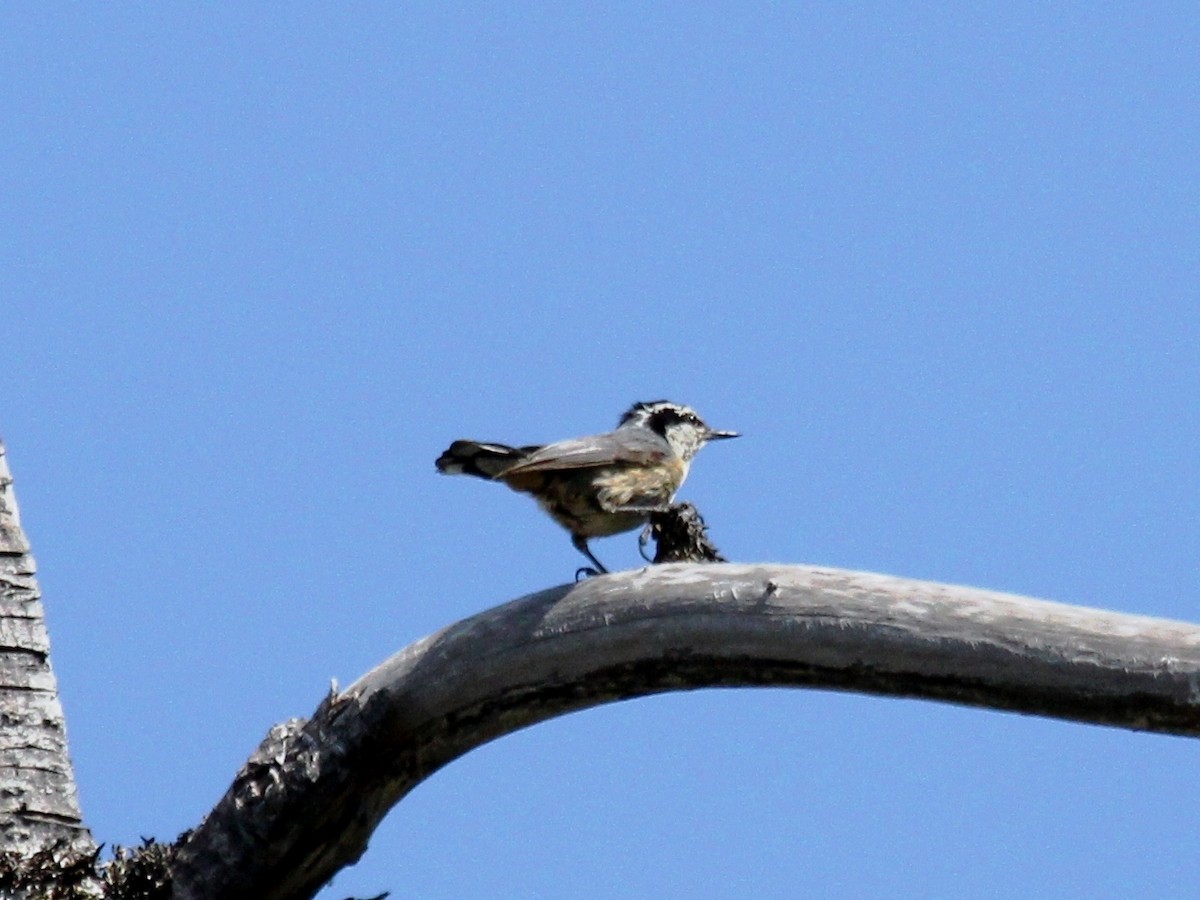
[600, 485]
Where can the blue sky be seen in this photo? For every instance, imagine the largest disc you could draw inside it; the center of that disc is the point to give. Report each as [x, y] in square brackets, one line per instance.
[938, 264]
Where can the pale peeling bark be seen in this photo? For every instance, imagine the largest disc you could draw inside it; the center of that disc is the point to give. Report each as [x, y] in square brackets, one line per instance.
[39, 807]
[307, 802]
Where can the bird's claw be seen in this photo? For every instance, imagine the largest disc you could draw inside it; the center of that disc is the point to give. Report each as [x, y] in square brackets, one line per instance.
[644, 540]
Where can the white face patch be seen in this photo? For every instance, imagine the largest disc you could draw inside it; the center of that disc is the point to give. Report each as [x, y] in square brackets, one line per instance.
[685, 439]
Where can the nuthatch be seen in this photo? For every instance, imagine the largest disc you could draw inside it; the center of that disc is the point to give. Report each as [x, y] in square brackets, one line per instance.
[600, 485]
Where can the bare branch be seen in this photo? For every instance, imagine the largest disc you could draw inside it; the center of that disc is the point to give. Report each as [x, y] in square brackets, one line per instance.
[307, 802]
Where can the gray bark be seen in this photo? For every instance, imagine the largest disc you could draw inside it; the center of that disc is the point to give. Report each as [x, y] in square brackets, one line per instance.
[306, 803]
[39, 807]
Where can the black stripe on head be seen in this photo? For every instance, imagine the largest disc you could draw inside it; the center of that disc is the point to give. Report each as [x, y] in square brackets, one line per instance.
[640, 411]
[659, 415]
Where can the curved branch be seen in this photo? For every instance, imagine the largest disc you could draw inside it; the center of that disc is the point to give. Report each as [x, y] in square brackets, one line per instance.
[307, 802]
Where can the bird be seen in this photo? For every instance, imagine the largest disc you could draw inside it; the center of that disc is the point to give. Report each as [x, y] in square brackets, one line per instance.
[600, 485]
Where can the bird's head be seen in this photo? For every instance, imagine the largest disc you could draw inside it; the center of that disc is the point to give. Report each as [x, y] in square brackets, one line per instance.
[677, 424]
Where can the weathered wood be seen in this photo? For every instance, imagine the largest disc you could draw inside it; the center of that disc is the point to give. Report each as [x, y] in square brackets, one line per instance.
[39, 807]
[307, 802]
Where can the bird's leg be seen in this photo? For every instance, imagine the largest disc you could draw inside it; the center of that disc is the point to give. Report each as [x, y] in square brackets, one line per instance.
[644, 540]
[641, 509]
[580, 543]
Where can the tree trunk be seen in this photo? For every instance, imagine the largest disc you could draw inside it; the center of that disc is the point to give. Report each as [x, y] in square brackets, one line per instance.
[39, 806]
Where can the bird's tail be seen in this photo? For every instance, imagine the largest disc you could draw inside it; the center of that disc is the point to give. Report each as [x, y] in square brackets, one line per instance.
[480, 459]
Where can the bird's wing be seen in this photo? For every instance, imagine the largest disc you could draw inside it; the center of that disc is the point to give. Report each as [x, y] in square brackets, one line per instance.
[602, 450]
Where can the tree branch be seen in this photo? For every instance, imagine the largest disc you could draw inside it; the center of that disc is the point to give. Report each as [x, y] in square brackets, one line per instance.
[306, 803]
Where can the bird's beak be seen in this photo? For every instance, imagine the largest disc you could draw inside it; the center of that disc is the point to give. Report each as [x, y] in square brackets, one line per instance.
[719, 435]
